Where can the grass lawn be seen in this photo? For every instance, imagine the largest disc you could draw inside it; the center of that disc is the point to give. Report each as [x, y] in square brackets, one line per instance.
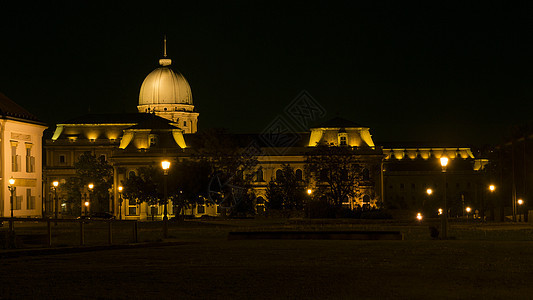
[493, 261]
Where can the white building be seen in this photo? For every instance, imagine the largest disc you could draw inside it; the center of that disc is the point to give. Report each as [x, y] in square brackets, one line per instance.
[21, 159]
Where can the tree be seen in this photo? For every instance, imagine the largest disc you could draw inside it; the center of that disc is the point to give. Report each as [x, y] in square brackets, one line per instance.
[230, 165]
[142, 187]
[190, 180]
[337, 172]
[285, 192]
[90, 169]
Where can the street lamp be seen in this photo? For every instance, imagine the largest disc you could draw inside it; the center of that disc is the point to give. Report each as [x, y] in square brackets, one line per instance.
[309, 191]
[444, 218]
[120, 202]
[90, 186]
[520, 202]
[165, 165]
[419, 216]
[55, 184]
[12, 188]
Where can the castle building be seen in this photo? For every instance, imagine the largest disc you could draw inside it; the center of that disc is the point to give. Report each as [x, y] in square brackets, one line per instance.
[166, 129]
[21, 160]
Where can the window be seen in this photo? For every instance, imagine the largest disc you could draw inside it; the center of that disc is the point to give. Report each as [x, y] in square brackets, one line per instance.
[17, 201]
[15, 159]
[132, 210]
[259, 175]
[132, 202]
[201, 209]
[343, 141]
[30, 200]
[103, 158]
[299, 175]
[62, 159]
[30, 160]
[184, 123]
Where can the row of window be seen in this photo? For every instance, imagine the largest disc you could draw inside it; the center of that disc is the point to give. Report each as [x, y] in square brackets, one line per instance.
[18, 200]
[16, 161]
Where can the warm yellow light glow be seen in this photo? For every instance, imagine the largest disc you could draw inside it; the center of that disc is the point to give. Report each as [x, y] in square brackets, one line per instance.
[91, 186]
[443, 161]
[55, 183]
[86, 203]
[429, 191]
[120, 189]
[309, 191]
[520, 201]
[440, 211]
[492, 187]
[468, 209]
[165, 165]
[11, 181]
[419, 216]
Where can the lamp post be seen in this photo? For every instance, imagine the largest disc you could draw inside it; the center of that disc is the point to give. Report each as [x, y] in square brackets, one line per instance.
[165, 165]
[87, 203]
[120, 202]
[520, 202]
[12, 188]
[444, 217]
[492, 188]
[55, 184]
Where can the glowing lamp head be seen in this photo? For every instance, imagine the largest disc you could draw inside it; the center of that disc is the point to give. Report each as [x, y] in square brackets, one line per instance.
[309, 191]
[419, 216]
[444, 161]
[91, 186]
[492, 187]
[165, 165]
[120, 189]
[520, 201]
[468, 209]
[429, 191]
[440, 211]
[86, 203]
[11, 181]
[55, 183]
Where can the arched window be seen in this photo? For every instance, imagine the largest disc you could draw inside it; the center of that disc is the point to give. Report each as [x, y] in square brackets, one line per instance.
[279, 175]
[259, 175]
[131, 174]
[299, 175]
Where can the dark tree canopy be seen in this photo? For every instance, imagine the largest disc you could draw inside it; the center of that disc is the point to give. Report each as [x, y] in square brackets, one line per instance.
[336, 171]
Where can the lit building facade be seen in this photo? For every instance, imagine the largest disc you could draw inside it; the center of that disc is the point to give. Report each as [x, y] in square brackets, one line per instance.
[166, 126]
[21, 159]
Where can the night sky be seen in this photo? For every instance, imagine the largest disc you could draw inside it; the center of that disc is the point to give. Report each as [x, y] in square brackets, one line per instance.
[416, 72]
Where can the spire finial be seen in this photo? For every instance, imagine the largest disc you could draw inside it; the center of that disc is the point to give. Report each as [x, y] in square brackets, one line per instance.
[165, 46]
[165, 61]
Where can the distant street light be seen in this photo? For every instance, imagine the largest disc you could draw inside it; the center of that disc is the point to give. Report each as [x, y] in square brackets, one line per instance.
[429, 192]
[520, 202]
[444, 218]
[86, 207]
[309, 191]
[55, 184]
[90, 186]
[120, 202]
[419, 216]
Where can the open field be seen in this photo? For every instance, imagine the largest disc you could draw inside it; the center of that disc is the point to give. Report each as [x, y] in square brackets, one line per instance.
[493, 261]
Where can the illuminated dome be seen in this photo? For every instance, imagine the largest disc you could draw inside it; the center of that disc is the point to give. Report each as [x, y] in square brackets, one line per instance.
[165, 86]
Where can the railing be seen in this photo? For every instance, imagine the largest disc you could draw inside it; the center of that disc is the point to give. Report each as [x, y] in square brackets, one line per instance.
[27, 232]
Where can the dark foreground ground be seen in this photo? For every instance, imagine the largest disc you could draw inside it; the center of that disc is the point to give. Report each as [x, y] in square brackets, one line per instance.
[498, 264]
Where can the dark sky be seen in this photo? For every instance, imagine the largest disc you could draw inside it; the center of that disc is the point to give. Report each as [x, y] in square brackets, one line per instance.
[417, 72]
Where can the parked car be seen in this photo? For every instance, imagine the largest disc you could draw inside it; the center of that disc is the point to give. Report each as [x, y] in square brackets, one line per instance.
[98, 216]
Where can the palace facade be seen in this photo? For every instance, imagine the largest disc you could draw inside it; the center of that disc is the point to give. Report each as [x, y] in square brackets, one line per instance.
[165, 128]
